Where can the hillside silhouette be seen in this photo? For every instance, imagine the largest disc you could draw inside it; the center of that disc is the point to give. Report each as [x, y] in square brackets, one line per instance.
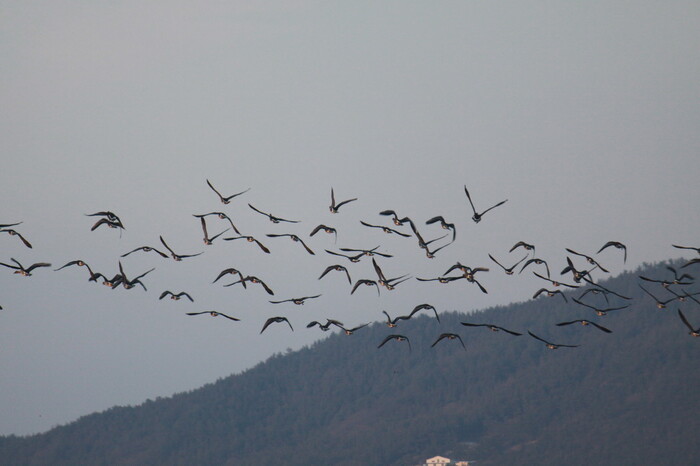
[628, 397]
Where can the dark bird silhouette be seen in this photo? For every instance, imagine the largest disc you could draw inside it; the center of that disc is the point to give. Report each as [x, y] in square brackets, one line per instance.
[222, 216]
[326, 229]
[397, 338]
[8, 225]
[350, 331]
[128, 284]
[325, 327]
[80, 263]
[213, 314]
[693, 331]
[691, 262]
[207, 240]
[554, 282]
[605, 290]
[477, 216]
[599, 311]
[109, 223]
[271, 217]
[25, 271]
[230, 271]
[467, 271]
[441, 279]
[388, 283]
[338, 268]
[538, 261]
[367, 252]
[509, 270]
[421, 307]
[493, 328]
[394, 218]
[524, 245]
[386, 229]
[394, 322]
[294, 238]
[110, 216]
[334, 207]
[661, 304]
[585, 322]
[12, 232]
[250, 239]
[549, 344]
[176, 297]
[147, 249]
[668, 283]
[275, 320]
[253, 279]
[297, 301]
[444, 225]
[677, 279]
[177, 257]
[692, 248]
[227, 199]
[577, 275]
[590, 260]
[449, 336]
[615, 244]
[549, 293]
[355, 258]
[366, 282]
[422, 243]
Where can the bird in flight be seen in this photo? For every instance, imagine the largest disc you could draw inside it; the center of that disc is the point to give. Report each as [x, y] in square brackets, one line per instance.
[385, 229]
[394, 218]
[338, 268]
[493, 328]
[177, 257]
[227, 199]
[250, 239]
[597, 310]
[326, 229]
[21, 270]
[222, 216]
[325, 327]
[477, 215]
[12, 232]
[693, 331]
[585, 322]
[550, 345]
[397, 338]
[207, 240]
[175, 297]
[509, 270]
[147, 249]
[449, 336]
[253, 279]
[334, 207]
[444, 225]
[297, 301]
[549, 293]
[213, 314]
[275, 320]
[294, 238]
[272, 218]
[615, 244]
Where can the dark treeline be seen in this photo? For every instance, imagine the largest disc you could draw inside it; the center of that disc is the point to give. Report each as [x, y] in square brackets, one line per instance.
[628, 397]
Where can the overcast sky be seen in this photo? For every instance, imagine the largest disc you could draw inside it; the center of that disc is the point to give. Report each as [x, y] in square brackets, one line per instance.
[584, 115]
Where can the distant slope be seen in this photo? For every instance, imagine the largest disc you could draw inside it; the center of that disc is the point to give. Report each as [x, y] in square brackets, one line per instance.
[629, 397]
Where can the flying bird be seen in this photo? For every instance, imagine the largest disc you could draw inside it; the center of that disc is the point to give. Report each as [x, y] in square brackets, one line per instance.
[477, 216]
[597, 310]
[367, 282]
[271, 217]
[253, 279]
[367, 252]
[589, 259]
[449, 336]
[493, 328]
[12, 232]
[250, 239]
[578, 275]
[693, 331]
[177, 257]
[175, 297]
[222, 216]
[509, 270]
[227, 199]
[385, 229]
[524, 245]
[554, 282]
[325, 327]
[21, 270]
[110, 216]
[297, 301]
[109, 223]
[538, 261]
[338, 268]
[549, 344]
[207, 240]
[80, 263]
[355, 258]
[388, 283]
[394, 322]
[661, 304]
[615, 244]
[549, 293]
[421, 307]
[213, 314]
[128, 284]
[275, 320]
[397, 338]
[585, 322]
[147, 249]
[394, 218]
[326, 229]
[692, 248]
[294, 238]
[334, 207]
[230, 271]
[444, 225]
[350, 331]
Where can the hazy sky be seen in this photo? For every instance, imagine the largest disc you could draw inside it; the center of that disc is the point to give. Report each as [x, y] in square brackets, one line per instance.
[584, 115]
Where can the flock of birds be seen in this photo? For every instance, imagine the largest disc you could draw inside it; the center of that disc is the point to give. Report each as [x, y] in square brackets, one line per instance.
[676, 287]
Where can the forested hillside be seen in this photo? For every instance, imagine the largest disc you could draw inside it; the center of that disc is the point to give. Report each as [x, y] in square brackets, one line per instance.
[626, 397]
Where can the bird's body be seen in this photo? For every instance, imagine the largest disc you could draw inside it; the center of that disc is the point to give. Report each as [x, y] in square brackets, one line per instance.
[276, 320]
[176, 296]
[225, 199]
[478, 215]
[335, 206]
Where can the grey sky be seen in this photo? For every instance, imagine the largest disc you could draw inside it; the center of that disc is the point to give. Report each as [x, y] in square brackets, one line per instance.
[583, 114]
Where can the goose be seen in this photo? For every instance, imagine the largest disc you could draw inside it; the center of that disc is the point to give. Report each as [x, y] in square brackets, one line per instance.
[213, 314]
[147, 249]
[177, 257]
[253, 279]
[597, 310]
[334, 207]
[477, 216]
[509, 270]
[21, 270]
[397, 338]
[294, 238]
[250, 239]
[227, 199]
[12, 232]
[176, 297]
[338, 268]
[693, 331]
[326, 229]
[207, 240]
[222, 216]
[443, 224]
[385, 229]
[493, 328]
[585, 322]
[395, 218]
[275, 320]
[549, 344]
[549, 293]
[271, 217]
[297, 301]
[615, 244]
[449, 336]
[589, 259]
